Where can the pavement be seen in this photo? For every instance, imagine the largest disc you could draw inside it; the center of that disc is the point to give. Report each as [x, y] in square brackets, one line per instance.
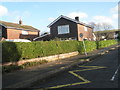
[27, 77]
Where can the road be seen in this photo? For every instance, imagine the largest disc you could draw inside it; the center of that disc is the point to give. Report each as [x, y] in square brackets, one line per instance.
[99, 73]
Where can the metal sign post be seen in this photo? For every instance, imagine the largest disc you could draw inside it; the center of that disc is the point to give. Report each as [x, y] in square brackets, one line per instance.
[81, 35]
[84, 47]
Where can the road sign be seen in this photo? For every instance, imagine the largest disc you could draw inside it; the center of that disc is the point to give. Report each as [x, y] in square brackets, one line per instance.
[81, 35]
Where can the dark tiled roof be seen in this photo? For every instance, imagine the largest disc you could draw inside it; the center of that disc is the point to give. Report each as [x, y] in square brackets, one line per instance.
[73, 20]
[18, 26]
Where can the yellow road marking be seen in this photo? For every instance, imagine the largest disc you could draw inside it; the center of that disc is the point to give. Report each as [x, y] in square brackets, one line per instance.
[90, 68]
[78, 76]
[72, 84]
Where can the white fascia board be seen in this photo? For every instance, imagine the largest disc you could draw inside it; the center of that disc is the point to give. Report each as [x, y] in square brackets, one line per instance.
[59, 18]
[73, 20]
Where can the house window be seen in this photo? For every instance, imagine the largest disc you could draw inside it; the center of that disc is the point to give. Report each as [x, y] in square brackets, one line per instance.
[63, 29]
[85, 28]
[24, 32]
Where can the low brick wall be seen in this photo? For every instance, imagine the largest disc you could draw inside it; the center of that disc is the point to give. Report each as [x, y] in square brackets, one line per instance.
[48, 58]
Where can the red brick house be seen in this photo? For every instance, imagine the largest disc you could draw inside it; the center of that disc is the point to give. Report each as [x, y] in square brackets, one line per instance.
[11, 31]
[66, 28]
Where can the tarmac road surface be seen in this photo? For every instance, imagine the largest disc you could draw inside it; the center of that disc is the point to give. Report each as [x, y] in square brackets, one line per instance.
[99, 73]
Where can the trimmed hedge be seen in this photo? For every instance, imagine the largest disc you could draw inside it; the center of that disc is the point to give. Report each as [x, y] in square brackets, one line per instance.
[15, 51]
[89, 45]
[10, 52]
[107, 43]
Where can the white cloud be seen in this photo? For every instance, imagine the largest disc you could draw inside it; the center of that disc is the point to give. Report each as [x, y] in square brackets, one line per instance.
[73, 15]
[51, 19]
[102, 19]
[80, 14]
[114, 9]
[17, 15]
[3, 10]
[115, 16]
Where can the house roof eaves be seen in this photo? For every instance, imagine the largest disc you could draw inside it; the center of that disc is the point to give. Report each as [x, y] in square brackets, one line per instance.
[15, 25]
[73, 20]
[41, 36]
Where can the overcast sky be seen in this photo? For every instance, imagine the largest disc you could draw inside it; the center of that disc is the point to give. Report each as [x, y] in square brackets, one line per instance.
[41, 14]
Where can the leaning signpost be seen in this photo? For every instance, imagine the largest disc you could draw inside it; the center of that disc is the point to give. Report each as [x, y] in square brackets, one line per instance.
[81, 35]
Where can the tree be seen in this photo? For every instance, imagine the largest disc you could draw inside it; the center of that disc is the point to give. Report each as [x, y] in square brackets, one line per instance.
[101, 27]
[107, 26]
[96, 27]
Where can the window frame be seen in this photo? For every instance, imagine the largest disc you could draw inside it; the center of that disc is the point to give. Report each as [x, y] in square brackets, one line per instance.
[65, 32]
[24, 32]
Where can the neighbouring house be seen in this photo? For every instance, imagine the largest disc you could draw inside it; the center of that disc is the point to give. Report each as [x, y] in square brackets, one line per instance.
[46, 37]
[12, 31]
[107, 34]
[66, 28]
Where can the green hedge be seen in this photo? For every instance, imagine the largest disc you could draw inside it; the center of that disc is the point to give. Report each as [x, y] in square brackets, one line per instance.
[107, 43]
[15, 51]
[89, 45]
[10, 52]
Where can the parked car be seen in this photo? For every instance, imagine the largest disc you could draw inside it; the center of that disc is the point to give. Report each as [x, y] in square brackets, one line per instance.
[18, 40]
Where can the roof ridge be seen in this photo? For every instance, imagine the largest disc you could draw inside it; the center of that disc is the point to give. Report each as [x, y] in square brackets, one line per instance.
[16, 25]
[79, 22]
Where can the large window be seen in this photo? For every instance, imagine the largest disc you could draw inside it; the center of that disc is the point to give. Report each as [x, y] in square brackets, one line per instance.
[63, 29]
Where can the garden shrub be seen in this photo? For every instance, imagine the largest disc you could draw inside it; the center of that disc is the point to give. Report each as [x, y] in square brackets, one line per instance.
[67, 46]
[106, 43]
[15, 51]
[89, 45]
[10, 52]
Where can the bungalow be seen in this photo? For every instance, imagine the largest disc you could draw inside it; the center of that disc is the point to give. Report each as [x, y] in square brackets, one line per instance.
[66, 28]
[107, 34]
[12, 31]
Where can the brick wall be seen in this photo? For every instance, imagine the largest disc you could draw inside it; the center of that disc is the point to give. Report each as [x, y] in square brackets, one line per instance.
[90, 33]
[17, 34]
[13, 33]
[86, 34]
